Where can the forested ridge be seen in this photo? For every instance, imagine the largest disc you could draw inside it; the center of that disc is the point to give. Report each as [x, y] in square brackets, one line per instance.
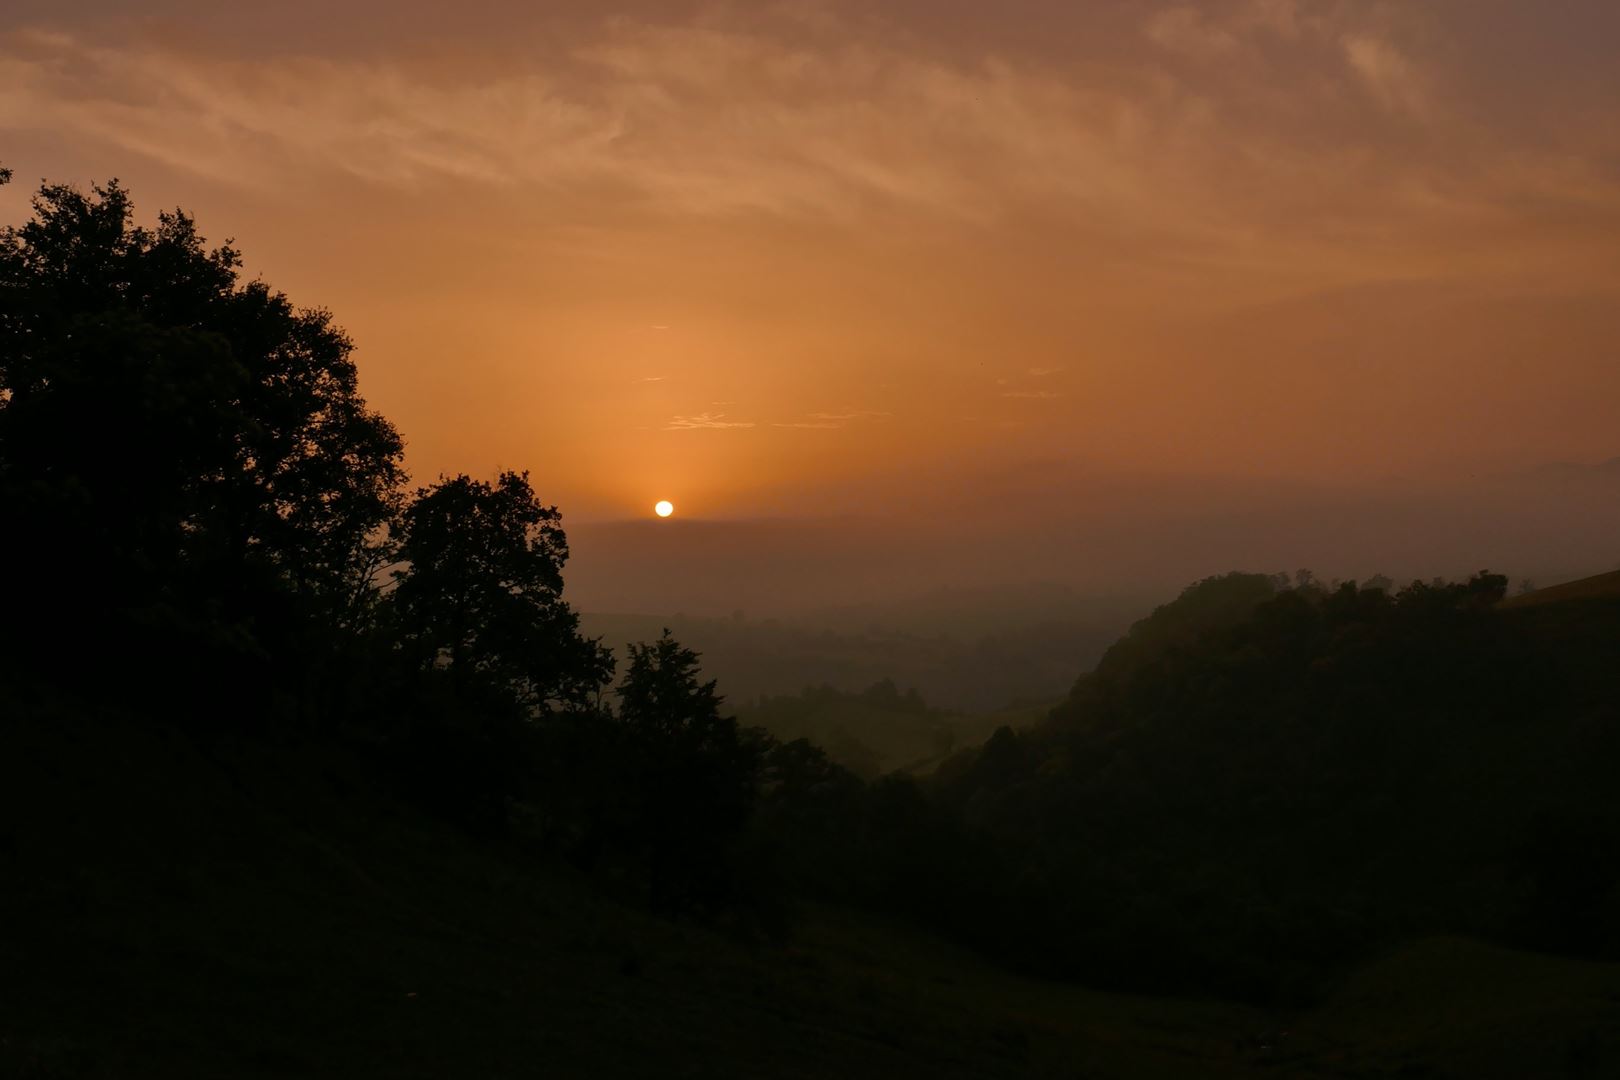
[217, 566]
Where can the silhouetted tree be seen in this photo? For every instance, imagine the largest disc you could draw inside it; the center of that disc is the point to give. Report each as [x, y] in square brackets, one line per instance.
[480, 594]
[180, 446]
[695, 776]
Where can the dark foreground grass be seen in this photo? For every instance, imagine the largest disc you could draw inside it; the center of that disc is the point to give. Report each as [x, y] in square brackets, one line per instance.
[171, 911]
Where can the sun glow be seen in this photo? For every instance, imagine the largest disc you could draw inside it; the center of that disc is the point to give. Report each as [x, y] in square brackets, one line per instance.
[663, 508]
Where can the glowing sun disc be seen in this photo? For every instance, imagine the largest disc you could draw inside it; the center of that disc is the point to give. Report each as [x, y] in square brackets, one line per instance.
[663, 508]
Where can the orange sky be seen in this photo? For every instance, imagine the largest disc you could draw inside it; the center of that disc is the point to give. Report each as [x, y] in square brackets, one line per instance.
[822, 258]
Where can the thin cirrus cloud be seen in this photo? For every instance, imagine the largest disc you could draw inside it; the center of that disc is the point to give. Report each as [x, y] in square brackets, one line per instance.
[705, 422]
[1391, 78]
[1187, 30]
[843, 125]
[827, 421]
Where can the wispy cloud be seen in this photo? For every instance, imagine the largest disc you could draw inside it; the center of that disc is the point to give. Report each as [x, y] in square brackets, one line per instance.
[859, 415]
[1391, 77]
[1042, 372]
[653, 378]
[736, 117]
[1231, 30]
[1185, 29]
[1041, 395]
[705, 422]
[827, 421]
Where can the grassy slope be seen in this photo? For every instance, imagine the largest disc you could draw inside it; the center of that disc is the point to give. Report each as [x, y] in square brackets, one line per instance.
[243, 913]
[240, 913]
[1458, 1008]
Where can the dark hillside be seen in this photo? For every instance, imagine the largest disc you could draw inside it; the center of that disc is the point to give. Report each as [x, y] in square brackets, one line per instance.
[180, 908]
[1259, 785]
[226, 908]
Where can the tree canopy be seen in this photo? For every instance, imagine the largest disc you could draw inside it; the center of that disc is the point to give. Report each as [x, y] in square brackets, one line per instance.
[695, 772]
[480, 592]
[177, 441]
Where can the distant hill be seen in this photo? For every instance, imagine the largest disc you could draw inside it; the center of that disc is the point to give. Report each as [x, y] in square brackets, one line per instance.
[959, 662]
[1260, 785]
[881, 730]
[1599, 586]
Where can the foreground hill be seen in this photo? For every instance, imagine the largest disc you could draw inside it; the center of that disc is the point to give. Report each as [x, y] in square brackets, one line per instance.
[182, 907]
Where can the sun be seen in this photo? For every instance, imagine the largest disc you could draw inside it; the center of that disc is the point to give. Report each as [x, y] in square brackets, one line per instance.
[663, 508]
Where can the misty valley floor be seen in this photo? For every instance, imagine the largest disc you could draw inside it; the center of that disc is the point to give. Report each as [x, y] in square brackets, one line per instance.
[236, 912]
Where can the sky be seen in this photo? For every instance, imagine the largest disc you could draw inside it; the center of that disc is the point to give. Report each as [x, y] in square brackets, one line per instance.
[1027, 270]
